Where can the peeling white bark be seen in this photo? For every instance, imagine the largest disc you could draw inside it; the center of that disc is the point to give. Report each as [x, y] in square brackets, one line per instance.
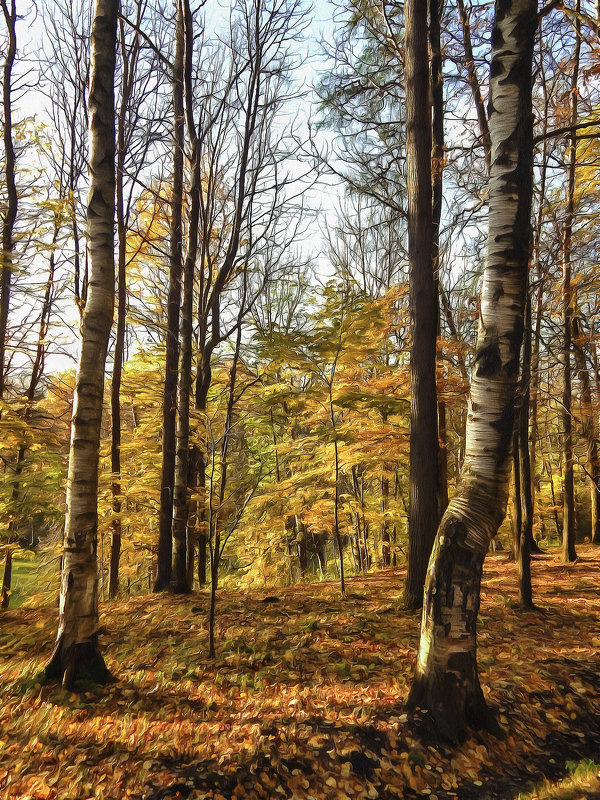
[446, 679]
[76, 653]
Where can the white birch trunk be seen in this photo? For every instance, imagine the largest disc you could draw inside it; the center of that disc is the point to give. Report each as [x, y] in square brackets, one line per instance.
[446, 681]
[76, 653]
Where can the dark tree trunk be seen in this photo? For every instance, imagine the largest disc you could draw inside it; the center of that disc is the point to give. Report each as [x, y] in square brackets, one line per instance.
[437, 171]
[181, 543]
[446, 682]
[167, 483]
[534, 381]
[115, 389]
[423, 517]
[482, 119]
[6, 580]
[588, 426]
[596, 494]
[10, 214]
[526, 527]
[386, 553]
[568, 534]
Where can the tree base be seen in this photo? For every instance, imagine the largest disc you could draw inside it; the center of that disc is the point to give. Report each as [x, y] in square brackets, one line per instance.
[181, 587]
[453, 707]
[78, 662]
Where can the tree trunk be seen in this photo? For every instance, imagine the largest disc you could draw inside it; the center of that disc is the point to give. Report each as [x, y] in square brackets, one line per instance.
[386, 553]
[167, 482]
[423, 517]
[76, 654]
[437, 171]
[516, 518]
[6, 580]
[182, 473]
[526, 499]
[534, 381]
[115, 389]
[568, 535]
[446, 681]
[588, 426]
[482, 119]
[10, 214]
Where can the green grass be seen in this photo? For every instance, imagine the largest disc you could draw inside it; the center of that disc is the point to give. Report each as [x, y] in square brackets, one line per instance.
[583, 778]
[24, 576]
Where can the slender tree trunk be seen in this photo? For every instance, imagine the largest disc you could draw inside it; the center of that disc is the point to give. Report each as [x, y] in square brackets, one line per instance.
[6, 579]
[446, 682]
[182, 468]
[588, 425]
[76, 654]
[167, 483]
[424, 479]
[385, 525]
[482, 119]
[10, 215]
[596, 494]
[437, 171]
[115, 389]
[526, 499]
[534, 381]
[213, 517]
[568, 537]
[516, 517]
[336, 502]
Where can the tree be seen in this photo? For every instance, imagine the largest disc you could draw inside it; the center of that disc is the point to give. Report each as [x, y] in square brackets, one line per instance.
[8, 224]
[76, 654]
[446, 682]
[167, 483]
[568, 531]
[424, 476]
[10, 215]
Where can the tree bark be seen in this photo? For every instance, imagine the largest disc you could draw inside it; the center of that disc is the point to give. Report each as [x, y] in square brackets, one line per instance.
[437, 171]
[424, 478]
[6, 579]
[525, 494]
[76, 654]
[568, 534]
[180, 582]
[588, 426]
[446, 682]
[12, 202]
[482, 119]
[167, 483]
[115, 389]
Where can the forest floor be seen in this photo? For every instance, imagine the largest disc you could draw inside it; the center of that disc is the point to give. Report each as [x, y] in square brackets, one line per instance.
[305, 698]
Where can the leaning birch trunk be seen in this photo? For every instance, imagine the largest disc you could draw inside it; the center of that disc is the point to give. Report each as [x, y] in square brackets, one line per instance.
[76, 654]
[446, 681]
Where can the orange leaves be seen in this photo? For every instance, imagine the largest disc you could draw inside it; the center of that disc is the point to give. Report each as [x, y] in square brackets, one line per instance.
[305, 698]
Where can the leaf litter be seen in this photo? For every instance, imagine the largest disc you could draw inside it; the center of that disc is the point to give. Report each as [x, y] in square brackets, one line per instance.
[305, 698]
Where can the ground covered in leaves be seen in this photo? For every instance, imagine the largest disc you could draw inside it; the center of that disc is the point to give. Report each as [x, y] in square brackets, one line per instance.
[305, 698]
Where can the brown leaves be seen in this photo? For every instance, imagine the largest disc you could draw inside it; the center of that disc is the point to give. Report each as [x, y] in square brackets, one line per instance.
[305, 697]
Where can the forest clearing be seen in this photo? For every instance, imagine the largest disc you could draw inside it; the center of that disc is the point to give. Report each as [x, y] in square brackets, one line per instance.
[306, 697]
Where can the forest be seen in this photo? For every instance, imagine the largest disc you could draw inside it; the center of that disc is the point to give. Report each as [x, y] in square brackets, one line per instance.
[299, 398]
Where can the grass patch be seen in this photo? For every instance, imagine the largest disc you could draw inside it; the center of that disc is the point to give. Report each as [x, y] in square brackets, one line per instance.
[24, 577]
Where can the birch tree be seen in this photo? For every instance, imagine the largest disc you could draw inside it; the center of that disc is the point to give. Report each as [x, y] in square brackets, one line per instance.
[446, 682]
[76, 654]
